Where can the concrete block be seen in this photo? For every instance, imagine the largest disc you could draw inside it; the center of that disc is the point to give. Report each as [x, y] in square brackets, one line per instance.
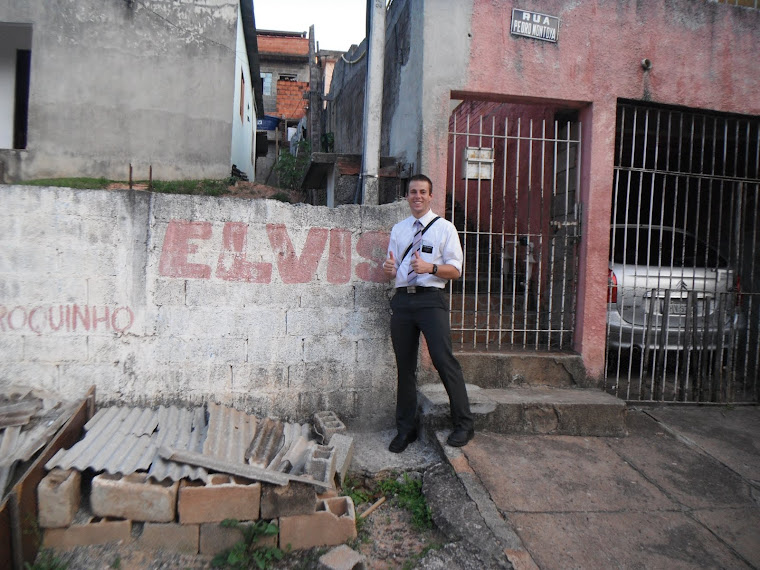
[332, 348]
[334, 523]
[134, 497]
[293, 499]
[320, 463]
[172, 537]
[344, 453]
[327, 424]
[222, 498]
[96, 531]
[342, 558]
[317, 322]
[214, 538]
[58, 497]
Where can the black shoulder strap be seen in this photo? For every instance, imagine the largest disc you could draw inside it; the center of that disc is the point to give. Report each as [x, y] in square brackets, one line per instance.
[423, 233]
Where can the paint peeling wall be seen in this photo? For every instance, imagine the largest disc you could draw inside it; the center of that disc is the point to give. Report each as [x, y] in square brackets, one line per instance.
[118, 81]
[277, 309]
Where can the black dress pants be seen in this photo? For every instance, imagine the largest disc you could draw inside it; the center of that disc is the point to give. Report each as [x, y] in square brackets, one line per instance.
[425, 311]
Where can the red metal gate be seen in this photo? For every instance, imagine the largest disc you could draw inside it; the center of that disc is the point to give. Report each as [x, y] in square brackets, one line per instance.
[512, 189]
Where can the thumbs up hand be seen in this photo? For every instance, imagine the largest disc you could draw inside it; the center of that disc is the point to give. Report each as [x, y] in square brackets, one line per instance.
[419, 265]
[389, 266]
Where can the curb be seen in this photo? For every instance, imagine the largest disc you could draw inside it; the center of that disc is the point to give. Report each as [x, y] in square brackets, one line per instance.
[508, 539]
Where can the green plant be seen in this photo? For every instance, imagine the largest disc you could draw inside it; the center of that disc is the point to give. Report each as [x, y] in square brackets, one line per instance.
[46, 560]
[79, 183]
[116, 564]
[328, 142]
[291, 169]
[412, 562]
[351, 489]
[206, 187]
[409, 496]
[246, 552]
[281, 196]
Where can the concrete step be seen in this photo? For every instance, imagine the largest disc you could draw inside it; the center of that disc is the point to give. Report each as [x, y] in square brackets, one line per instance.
[505, 370]
[529, 410]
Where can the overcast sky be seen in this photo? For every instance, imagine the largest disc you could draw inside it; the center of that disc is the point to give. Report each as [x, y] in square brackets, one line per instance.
[337, 23]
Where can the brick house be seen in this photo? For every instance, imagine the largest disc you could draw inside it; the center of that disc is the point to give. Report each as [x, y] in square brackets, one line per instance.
[284, 65]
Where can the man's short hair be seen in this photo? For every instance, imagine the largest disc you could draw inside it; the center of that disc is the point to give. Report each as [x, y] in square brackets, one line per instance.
[422, 177]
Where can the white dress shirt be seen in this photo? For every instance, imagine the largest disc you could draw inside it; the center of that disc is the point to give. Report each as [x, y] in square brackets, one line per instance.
[440, 245]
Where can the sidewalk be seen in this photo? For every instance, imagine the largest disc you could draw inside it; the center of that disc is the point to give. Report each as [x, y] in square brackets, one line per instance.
[682, 490]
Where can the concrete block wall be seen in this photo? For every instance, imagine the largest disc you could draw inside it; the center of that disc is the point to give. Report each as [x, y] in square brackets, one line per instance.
[274, 308]
[119, 501]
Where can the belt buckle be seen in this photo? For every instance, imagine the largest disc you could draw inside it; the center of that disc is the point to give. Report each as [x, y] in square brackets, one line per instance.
[411, 289]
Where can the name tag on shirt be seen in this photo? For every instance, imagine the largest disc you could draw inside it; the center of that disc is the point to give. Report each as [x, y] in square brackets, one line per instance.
[427, 248]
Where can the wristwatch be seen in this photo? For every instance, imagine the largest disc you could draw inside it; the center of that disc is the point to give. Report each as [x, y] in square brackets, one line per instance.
[435, 269]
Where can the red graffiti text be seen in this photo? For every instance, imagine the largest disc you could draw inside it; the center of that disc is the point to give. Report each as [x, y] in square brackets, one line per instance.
[183, 237]
[45, 319]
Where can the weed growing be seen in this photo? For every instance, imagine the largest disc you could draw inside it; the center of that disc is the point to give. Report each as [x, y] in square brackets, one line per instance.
[78, 183]
[412, 562]
[292, 169]
[409, 495]
[351, 488]
[46, 560]
[245, 553]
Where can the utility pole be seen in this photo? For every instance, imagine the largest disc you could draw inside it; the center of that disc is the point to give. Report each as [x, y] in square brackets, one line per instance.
[373, 104]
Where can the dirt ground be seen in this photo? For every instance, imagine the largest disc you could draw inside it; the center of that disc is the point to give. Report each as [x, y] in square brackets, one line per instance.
[386, 538]
[241, 189]
[251, 190]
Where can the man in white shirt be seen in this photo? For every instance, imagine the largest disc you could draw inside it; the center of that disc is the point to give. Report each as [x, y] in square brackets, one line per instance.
[423, 254]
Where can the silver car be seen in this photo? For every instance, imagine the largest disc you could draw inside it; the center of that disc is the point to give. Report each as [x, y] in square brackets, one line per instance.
[668, 290]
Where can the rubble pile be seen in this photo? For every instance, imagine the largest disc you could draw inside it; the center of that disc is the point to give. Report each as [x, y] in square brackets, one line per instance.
[166, 478]
[28, 420]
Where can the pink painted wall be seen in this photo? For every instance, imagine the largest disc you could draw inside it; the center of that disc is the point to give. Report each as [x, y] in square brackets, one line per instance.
[704, 55]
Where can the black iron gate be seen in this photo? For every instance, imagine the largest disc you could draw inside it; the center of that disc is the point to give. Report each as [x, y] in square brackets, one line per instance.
[683, 318]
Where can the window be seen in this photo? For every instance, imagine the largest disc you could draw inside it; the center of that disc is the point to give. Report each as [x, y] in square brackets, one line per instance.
[288, 77]
[15, 74]
[21, 110]
[266, 81]
[242, 96]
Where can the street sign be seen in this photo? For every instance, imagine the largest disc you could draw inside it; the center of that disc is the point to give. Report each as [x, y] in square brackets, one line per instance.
[535, 25]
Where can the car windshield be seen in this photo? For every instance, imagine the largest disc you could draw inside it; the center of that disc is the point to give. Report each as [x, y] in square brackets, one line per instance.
[663, 247]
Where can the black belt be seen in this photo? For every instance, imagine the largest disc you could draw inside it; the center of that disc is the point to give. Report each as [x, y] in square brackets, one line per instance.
[415, 289]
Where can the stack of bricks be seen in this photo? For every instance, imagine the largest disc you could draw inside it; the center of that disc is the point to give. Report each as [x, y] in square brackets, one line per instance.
[281, 45]
[185, 516]
[290, 98]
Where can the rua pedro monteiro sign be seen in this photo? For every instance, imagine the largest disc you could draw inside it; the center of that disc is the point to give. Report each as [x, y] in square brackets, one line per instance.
[535, 25]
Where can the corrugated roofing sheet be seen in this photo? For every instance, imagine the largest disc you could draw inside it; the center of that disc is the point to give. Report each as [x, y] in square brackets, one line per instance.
[230, 432]
[185, 430]
[125, 440]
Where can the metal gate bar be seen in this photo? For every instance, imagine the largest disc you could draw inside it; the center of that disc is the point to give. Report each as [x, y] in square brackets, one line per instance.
[684, 298]
[512, 198]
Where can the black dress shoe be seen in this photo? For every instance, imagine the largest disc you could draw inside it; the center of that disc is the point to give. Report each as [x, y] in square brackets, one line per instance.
[401, 441]
[460, 437]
